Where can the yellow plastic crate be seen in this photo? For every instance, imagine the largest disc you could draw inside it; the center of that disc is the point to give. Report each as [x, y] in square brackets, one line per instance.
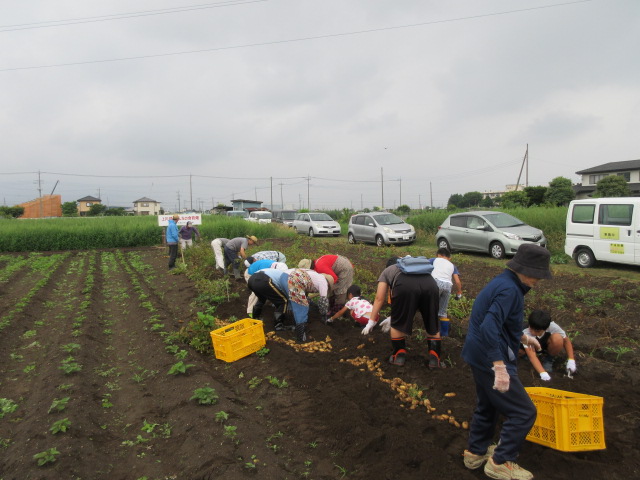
[567, 421]
[238, 340]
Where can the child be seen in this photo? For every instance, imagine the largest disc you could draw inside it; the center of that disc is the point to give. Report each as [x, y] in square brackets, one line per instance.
[445, 274]
[360, 311]
[553, 340]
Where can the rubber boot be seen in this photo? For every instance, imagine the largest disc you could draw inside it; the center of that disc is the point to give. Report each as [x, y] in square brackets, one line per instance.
[278, 323]
[444, 327]
[257, 311]
[301, 333]
[435, 353]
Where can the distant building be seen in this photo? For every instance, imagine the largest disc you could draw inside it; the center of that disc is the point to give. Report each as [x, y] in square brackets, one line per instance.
[85, 204]
[146, 206]
[627, 169]
[45, 206]
[499, 193]
[245, 204]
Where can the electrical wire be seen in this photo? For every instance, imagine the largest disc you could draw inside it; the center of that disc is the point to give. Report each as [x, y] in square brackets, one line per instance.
[292, 40]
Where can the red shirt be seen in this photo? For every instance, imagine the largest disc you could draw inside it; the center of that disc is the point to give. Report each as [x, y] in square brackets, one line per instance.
[325, 265]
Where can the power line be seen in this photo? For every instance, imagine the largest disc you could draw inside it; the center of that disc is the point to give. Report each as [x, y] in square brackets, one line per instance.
[121, 16]
[292, 40]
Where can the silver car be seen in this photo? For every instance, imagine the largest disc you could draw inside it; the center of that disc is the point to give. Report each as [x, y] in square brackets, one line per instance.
[496, 233]
[381, 228]
[316, 224]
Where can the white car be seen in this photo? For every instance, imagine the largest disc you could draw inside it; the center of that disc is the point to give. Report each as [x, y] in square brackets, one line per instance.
[316, 224]
[260, 217]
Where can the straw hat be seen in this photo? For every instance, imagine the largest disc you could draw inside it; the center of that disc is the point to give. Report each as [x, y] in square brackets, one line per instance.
[253, 238]
[304, 263]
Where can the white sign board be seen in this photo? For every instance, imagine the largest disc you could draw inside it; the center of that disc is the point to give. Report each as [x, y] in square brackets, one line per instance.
[196, 219]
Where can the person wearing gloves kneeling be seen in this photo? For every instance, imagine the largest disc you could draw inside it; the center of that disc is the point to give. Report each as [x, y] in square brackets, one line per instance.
[490, 349]
[553, 340]
[360, 311]
[301, 283]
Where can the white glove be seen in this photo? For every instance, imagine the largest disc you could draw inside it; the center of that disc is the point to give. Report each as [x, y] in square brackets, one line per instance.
[501, 380]
[385, 325]
[545, 376]
[458, 296]
[532, 342]
[571, 366]
[367, 330]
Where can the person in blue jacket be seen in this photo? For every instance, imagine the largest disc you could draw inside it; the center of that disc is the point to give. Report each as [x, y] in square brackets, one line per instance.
[490, 349]
[172, 240]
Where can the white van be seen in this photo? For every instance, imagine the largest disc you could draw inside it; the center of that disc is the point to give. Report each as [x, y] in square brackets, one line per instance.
[260, 216]
[606, 229]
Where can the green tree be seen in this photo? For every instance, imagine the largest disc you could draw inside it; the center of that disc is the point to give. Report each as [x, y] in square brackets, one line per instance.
[115, 212]
[455, 201]
[12, 212]
[612, 186]
[514, 199]
[535, 195]
[96, 210]
[69, 209]
[559, 192]
[487, 202]
[403, 210]
[472, 199]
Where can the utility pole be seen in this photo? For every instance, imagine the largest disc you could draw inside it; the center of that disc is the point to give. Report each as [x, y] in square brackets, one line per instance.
[191, 191]
[400, 190]
[178, 200]
[308, 197]
[524, 160]
[271, 181]
[431, 196]
[40, 193]
[419, 202]
[361, 204]
[281, 201]
[382, 186]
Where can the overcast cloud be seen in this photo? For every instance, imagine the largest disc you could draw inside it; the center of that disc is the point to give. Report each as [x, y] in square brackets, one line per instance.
[445, 104]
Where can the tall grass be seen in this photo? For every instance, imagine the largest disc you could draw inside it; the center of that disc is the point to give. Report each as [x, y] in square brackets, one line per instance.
[55, 234]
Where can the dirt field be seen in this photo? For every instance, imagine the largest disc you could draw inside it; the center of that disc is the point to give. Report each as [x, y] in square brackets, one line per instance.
[93, 327]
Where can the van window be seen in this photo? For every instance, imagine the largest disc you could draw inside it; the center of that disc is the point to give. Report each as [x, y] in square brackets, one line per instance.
[615, 215]
[358, 220]
[368, 221]
[583, 213]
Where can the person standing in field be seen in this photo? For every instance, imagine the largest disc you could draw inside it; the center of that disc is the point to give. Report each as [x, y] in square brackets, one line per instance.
[187, 232]
[172, 240]
[217, 246]
[235, 252]
[491, 349]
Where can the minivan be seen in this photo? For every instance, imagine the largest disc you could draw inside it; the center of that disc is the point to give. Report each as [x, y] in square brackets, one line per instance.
[316, 224]
[286, 217]
[260, 216]
[381, 228]
[606, 229]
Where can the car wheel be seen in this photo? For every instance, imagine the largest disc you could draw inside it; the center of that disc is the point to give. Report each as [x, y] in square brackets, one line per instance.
[585, 258]
[311, 233]
[352, 239]
[379, 241]
[496, 249]
[442, 243]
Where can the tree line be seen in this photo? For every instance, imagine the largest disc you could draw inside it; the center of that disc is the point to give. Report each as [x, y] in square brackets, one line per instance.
[558, 193]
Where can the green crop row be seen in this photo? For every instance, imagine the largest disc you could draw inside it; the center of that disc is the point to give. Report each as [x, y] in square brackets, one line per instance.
[55, 234]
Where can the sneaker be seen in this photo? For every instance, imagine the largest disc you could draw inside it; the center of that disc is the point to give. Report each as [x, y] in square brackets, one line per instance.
[506, 471]
[473, 461]
[398, 358]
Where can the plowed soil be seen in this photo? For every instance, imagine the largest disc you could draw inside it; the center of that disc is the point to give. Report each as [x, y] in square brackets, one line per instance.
[297, 414]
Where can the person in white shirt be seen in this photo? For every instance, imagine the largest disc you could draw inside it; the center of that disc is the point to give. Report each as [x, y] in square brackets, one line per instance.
[553, 341]
[446, 275]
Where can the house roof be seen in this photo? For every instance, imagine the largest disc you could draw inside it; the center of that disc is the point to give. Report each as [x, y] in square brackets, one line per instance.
[145, 200]
[613, 167]
[88, 198]
[245, 201]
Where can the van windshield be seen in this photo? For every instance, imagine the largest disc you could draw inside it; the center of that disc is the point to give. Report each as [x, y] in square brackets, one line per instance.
[262, 215]
[288, 215]
[238, 213]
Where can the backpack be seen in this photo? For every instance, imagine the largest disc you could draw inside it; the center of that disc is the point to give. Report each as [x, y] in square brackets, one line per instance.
[415, 265]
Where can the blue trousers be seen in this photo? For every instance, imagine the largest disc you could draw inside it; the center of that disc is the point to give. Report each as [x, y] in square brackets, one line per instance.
[515, 405]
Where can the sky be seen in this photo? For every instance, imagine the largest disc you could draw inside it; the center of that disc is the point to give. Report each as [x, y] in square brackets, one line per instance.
[326, 104]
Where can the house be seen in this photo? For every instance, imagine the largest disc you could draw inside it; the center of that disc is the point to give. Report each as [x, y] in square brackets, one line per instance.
[43, 207]
[146, 206]
[85, 203]
[628, 169]
[245, 204]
